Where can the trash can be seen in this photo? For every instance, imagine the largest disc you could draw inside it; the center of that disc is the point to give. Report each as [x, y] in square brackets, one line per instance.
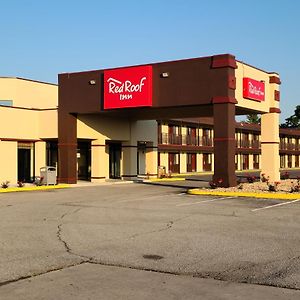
[48, 174]
[161, 172]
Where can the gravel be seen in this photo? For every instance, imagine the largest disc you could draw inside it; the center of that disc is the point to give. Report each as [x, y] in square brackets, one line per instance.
[283, 186]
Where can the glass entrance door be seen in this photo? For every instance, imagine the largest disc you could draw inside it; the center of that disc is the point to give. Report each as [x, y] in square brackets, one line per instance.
[84, 161]
[115, 160]
[24, 165]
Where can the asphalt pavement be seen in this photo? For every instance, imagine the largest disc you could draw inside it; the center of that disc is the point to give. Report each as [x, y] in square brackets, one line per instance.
[135, 241]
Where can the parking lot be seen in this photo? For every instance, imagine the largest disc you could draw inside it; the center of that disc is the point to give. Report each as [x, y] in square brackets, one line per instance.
[165, 240]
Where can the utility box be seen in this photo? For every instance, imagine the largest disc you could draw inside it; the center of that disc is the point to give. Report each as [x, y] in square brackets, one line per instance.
[161, 172]
[49, 175]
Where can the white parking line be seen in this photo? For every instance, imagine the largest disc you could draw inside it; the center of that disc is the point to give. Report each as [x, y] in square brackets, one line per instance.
[204, 201]
[275, 205]
[145, 199]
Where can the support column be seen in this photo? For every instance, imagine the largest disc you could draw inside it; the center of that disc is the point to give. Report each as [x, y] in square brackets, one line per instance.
[99, 162]
[251, 162]
[199, 162]
[224, 143]
[129, 158]
[40, 156]
[270, 160]
[183, 162]
[151, 159]
[67, 147]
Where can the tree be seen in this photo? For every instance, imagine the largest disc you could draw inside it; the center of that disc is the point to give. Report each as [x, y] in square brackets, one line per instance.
[253, 119]
[294, 120]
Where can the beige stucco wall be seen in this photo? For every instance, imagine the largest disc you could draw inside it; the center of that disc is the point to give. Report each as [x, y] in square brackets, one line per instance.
[244, 70]
[8, 162]
[27, 124]
[199, 163]
[183, 162]
[102, 128]
[47, 127]
[144, 131]
[40, 156]
[27, 93]
[164, 160]
[18, 123]
[99, 161]
[270, 161]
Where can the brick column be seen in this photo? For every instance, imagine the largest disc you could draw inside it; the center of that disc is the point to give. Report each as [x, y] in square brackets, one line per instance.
[224, 119]
[67, 147]
[224, 141]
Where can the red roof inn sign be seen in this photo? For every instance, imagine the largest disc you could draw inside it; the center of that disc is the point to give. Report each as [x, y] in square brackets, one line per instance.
[128, 87]
[253, 89]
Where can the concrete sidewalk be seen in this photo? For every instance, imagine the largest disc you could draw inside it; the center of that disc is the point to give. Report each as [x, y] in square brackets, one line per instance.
[94, 281]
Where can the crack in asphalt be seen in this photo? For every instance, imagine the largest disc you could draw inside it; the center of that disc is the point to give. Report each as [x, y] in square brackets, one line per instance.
[3, 283]
[65, 244]
[118, 265]
[226, 275]
[168, 226]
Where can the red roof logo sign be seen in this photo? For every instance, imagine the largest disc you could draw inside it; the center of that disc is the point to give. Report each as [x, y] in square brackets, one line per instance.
[253, 89]
[128, 87]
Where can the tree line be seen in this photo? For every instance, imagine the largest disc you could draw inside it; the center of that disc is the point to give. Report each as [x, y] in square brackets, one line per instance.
[291, 122]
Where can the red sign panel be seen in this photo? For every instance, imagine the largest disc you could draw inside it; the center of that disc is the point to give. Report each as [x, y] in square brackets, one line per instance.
[253, 89]
[128, 87]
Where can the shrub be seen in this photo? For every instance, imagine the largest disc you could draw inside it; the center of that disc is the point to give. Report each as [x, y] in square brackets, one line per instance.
[250, 178]
[295, 188]
[273, 187]
[38, 181]
[20, 183]
[5, 184]
[264, 178]
[216, 183]
[285, 175]
[240, 186]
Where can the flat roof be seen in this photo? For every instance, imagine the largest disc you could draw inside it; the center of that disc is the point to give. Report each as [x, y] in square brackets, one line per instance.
[169, 61]
[32, 80]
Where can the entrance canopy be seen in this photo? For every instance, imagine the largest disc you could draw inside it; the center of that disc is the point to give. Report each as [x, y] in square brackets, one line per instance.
[218, 86]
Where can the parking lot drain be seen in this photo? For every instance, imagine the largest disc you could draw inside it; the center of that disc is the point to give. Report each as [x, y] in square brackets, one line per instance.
[152, 256]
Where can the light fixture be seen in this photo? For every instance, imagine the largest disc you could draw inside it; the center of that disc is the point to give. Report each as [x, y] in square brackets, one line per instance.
[92, 82]
[165, 75]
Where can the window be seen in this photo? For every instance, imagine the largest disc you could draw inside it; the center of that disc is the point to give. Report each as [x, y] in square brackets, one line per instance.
[245, 161]
[207, 162]
[191, 138]
[255, 161]
[290, 161]
[282, 161]
[191, 162]
[174, 163]
[175, 135]
[207, 137]
[296, 161]
[6, 103]
[236, 161]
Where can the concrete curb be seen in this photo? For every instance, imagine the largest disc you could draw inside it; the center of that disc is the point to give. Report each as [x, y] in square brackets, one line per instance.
[165, 179]
[245, 194]
[34, 188]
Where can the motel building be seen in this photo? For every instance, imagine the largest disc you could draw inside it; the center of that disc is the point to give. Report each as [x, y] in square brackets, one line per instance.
[126, 122]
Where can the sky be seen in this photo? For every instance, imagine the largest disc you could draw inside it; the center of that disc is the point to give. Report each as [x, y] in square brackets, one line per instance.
[42, 38]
